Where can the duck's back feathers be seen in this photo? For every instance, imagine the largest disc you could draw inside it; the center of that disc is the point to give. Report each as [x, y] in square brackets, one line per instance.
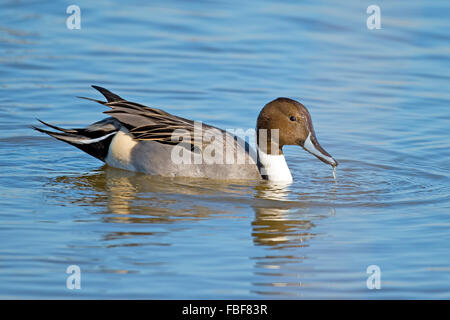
[108, 94]
[141, 138]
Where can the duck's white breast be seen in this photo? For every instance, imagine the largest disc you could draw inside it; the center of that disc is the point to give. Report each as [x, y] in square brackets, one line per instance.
[119, 153]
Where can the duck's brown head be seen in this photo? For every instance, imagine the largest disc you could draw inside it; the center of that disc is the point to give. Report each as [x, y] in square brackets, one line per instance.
[294, 125]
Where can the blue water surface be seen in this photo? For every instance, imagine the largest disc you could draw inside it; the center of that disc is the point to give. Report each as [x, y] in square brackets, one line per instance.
[380, 104]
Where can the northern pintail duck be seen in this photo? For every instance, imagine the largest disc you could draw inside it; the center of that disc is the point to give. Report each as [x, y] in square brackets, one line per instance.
[152, 141]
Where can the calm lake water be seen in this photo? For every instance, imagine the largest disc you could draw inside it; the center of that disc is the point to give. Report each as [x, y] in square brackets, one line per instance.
[380, 104]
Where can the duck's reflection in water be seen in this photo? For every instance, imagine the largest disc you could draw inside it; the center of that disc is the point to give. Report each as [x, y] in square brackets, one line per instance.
[278, 221]
[124, 196]
[281, 223]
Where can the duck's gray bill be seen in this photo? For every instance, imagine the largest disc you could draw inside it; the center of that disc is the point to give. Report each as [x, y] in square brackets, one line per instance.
[312, 146]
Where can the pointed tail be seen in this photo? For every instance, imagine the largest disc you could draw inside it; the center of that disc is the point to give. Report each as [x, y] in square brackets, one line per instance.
[95, 144]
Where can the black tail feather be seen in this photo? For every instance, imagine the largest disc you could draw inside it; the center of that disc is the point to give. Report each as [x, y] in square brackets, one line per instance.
[111, 97]
[97, 148]
[56, 128]
[95, 139]
[95, 100]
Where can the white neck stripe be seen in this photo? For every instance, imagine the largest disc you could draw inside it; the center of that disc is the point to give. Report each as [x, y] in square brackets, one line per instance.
[274, 167]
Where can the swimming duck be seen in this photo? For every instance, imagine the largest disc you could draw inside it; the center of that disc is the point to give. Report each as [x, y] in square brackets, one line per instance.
[152, 141]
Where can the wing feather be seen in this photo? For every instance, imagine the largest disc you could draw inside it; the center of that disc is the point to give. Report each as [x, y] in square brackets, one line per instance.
[153, 124]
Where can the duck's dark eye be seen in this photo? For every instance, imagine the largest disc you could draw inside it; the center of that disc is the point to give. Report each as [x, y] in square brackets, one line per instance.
[293, 118]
